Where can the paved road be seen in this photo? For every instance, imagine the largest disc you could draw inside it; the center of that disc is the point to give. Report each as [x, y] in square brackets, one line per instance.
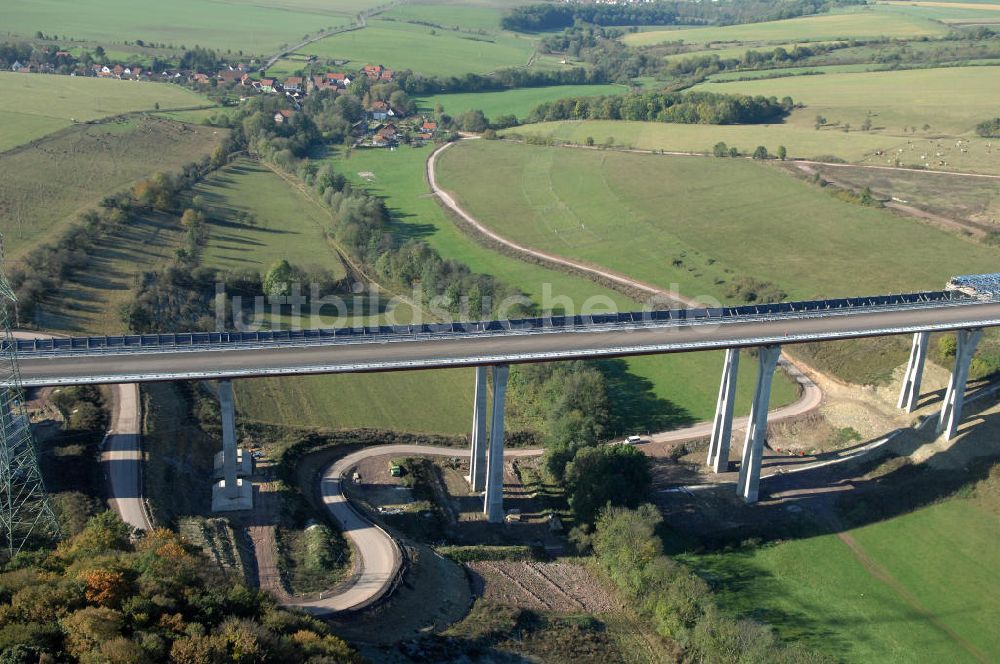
[480, 349]
[379, 554]
[121, 453]
[809, 399]
[122, 457]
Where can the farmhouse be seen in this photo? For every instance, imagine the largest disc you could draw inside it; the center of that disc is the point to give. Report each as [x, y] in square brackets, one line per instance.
[282, 115]
[267, 85]
[293, 84]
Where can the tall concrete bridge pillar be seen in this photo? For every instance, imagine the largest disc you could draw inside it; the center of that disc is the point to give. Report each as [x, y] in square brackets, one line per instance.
[231, 493]
[493, 502]
[477, 463]
[722, 425]
[951, 411]
[910, 393]
[753, 445]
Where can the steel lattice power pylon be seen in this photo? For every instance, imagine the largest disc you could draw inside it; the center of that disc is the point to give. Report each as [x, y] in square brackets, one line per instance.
[25, 512]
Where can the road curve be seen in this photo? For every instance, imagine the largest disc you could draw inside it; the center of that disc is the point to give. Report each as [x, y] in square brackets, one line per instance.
[378, 553]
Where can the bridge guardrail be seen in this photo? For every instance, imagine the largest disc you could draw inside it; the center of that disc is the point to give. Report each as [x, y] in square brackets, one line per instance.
[584, 323]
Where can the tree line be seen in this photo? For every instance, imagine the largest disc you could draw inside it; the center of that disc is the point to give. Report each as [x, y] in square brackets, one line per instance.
[537, 17]
[682, 108]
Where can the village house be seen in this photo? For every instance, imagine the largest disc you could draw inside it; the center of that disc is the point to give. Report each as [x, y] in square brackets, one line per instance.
[341, 81]
[267, 85]
[293, 84]
[282, 115]
[202, 79]
[378, 73]
[229, 75]
[386, 136]
[381, 110]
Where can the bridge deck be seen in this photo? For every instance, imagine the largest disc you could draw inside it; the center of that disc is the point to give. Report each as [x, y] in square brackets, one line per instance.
[232, 355]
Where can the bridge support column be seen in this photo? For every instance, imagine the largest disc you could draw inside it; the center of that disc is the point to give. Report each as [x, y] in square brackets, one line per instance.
[951, 411]
[231, 493]
[910, 394]
[722, 425]
[493, 501]
[753, 445]
[477, 459]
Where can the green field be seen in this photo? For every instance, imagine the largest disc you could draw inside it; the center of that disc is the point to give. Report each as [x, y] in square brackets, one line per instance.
[819, 592]
[36, 105]
[287, 225]
[952, 13]
[973, 155]
[449, 15]
[824, 27]
[234, 25]
[950, 100]
[664, 220]
[689, 382]
[407, 46]
[800, 141]
[47, 184]
[517, 102]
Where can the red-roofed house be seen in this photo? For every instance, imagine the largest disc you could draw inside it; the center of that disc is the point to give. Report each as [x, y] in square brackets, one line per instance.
[293, 84]
[340, 80]
[267, 85]
[282, 115]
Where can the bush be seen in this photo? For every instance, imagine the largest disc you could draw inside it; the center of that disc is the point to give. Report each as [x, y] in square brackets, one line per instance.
[989, 128]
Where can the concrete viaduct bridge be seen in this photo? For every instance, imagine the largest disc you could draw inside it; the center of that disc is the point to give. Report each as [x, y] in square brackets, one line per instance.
[968, 305]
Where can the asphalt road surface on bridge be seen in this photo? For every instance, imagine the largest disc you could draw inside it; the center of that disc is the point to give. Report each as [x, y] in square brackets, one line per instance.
[385, 354]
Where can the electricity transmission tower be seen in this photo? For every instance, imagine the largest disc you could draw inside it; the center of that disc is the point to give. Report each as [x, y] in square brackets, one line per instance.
[25, 513]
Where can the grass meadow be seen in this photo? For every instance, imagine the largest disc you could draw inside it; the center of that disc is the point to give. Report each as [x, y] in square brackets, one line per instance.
[918, 150]
[823, 591]
[666, 220]
[951, 100]
[47, 184]
[800, 141]
[685, 384]
[287, 225]
[36, 105]
[517, 102]
[823, 27]
[237, 26]
[424, 49]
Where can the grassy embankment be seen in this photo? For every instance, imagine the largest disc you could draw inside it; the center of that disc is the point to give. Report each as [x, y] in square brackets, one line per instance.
[47, 184]
[907, 588]
[36, 105]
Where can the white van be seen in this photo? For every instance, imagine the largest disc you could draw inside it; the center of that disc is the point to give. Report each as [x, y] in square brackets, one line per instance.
[633, 440]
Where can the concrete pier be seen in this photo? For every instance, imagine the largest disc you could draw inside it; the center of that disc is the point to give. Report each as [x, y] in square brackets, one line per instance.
[722, 425]
[477, 463]
[493, 501]
[951, 411]
[231, 493]
[910, 393]
[753, 445]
